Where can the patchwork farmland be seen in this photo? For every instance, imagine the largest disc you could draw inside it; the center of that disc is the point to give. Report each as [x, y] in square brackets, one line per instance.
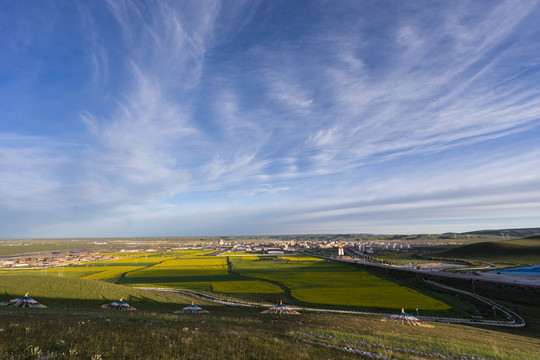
[298, 279]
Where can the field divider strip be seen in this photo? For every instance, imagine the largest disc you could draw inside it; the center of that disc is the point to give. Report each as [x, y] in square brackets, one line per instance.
[230, 268]
[123, 275]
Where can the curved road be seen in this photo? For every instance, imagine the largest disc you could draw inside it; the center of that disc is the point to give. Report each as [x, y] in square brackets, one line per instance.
[514, 319]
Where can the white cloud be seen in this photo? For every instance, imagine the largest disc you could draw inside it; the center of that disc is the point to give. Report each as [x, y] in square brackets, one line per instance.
[29, 168]
[419, 108]
[338, 128]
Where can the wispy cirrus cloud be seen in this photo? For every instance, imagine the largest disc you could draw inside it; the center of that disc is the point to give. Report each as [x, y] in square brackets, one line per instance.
[240, 113]
[433, 95]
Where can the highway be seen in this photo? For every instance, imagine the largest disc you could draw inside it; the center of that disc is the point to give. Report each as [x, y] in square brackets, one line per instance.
[471, 276]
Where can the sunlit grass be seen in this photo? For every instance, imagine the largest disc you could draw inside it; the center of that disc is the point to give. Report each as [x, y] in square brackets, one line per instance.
[55, 291]
[246, 287]
[308, 280]
[111, 273]
[332, 283]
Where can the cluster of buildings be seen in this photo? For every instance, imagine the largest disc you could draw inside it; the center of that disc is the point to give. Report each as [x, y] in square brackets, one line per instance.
[360, 247]
[281, 247]
[52, 260]
[373, 247]
[78, 257]
[275, 248]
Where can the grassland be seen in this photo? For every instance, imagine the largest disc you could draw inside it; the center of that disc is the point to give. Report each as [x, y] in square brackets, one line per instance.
[297, 279]
[16, 247]
[75, 272]
[246, 287]
[26, 246]
[74, 327]
[61, 292]
[196, 273]
[207, 273]
[301, 280]
[320, 282]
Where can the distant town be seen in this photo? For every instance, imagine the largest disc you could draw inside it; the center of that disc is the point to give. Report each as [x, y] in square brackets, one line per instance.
[342, 249]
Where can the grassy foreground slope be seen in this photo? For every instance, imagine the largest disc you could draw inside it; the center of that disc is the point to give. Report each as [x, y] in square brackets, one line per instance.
[239, 333]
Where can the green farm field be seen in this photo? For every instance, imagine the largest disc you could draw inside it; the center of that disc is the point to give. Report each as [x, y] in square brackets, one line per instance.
[195, 273]
[297, 279]
[301, 279]
[73, 272]
[315, 281]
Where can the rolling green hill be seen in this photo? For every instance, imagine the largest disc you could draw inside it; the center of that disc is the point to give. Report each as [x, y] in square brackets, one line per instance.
[528, 232]
[243, 333]
[517, 252]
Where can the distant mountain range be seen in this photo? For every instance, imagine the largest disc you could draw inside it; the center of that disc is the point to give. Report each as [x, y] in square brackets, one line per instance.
[529, 232]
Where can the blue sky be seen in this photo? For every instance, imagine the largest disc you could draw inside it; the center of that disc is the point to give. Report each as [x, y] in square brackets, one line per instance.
[151, 118]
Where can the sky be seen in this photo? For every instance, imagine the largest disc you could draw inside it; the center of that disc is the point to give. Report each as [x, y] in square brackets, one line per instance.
[204, 118]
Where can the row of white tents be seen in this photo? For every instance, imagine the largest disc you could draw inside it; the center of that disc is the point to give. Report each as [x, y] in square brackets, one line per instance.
[124, 306]
[121, 305]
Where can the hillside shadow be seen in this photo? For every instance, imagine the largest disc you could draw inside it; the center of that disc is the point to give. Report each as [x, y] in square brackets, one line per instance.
[176, 279]
[167, 303]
